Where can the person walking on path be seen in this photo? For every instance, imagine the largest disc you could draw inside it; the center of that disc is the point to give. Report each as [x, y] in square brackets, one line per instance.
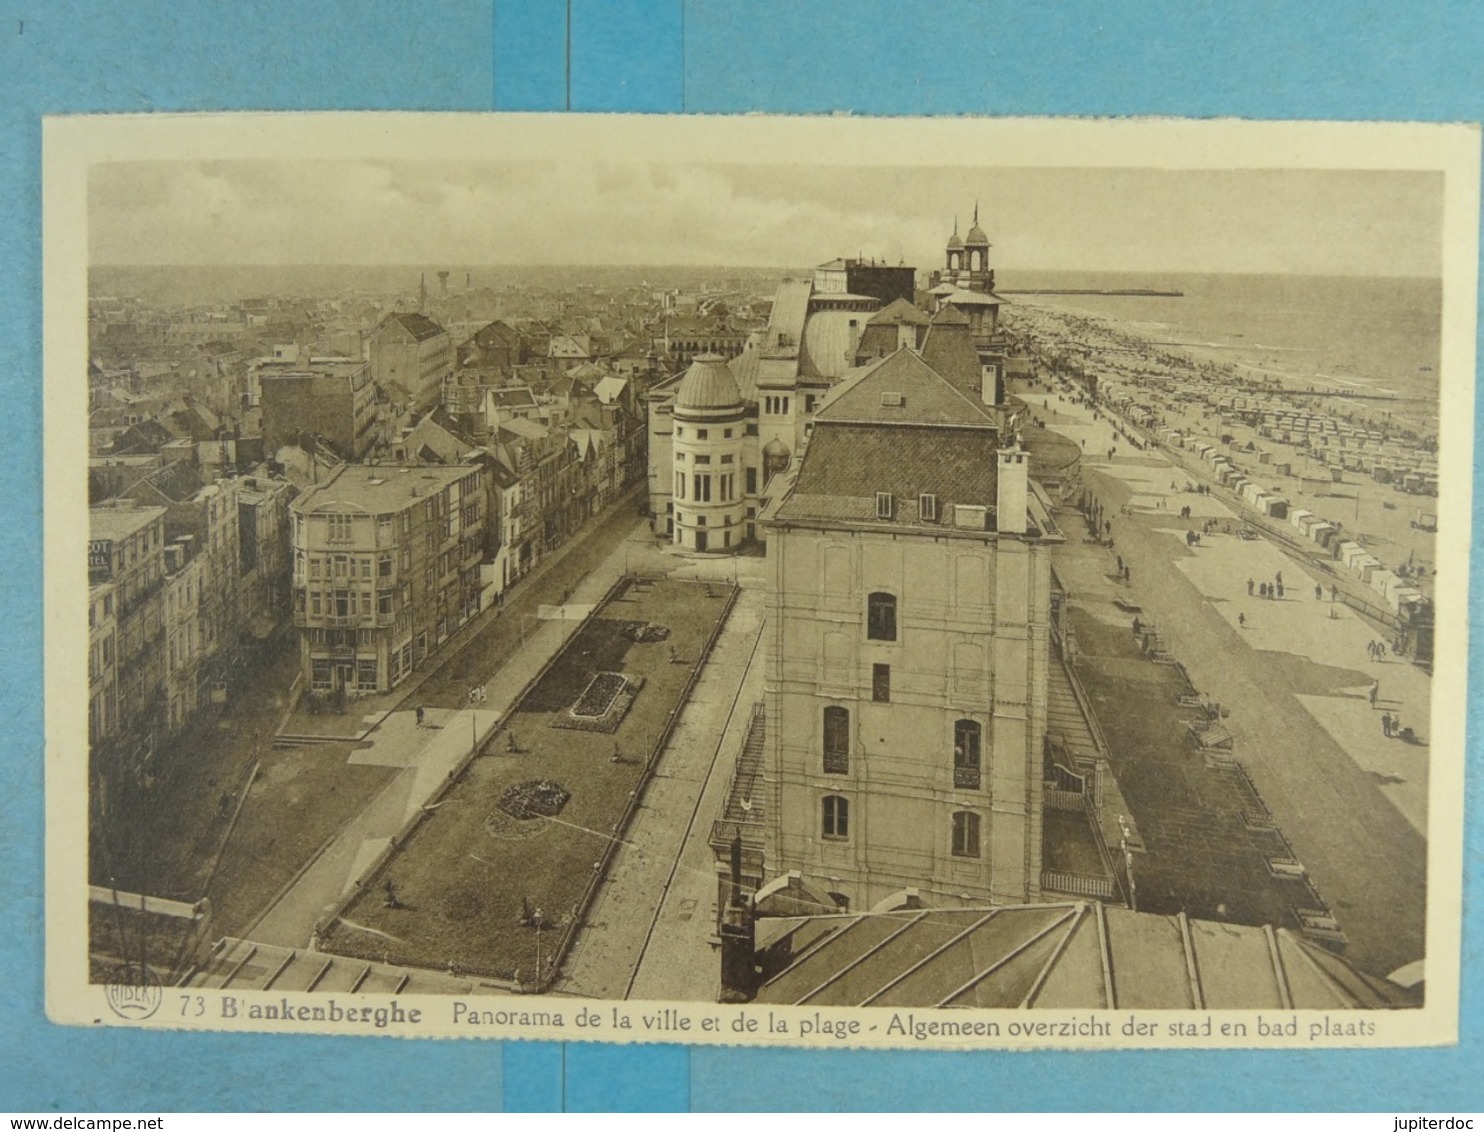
[1386, 724]
[1241, 621]
[1318, 592]
[419, 715]
[1250, 585]
[1374, 692]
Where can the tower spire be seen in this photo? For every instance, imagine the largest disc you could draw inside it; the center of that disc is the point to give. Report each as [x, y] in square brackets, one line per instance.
[976, 214]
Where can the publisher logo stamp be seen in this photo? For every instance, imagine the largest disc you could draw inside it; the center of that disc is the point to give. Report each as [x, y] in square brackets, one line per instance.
[134, 991]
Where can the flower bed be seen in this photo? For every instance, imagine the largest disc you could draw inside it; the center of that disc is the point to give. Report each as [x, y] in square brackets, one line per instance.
[599, 695]
[537, 798]
[603, 704]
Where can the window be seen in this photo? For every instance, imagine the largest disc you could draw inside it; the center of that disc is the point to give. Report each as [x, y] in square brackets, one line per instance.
[927, 508]
[751, 481]
[702, 486]
[810, 400]
[321, 675]
[836, 817]
[881, 617]
[365, 568]
[751, 428]
[885, 505]
[384, 566]
[340, 528]
[314, 606]
[881, 683]
[729, 459]
[726, 434]
[679, 431]
[965, 834]
[836, 740]
[314, 567]
[966, 734]
[702, 433]
[728, 486]
[703, 459]
[366, 674]
[679, 485]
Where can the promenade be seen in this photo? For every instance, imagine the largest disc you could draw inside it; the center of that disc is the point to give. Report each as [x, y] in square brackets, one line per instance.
[1295, 673]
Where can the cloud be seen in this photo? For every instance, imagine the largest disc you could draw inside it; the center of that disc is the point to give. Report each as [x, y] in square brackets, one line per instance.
[575, 212]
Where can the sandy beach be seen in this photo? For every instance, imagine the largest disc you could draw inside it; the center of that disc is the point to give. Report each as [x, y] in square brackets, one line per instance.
[1335, 456]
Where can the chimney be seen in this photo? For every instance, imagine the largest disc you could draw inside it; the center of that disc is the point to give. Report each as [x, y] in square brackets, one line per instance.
[989, 383]
[738, 938]
[1011, 488]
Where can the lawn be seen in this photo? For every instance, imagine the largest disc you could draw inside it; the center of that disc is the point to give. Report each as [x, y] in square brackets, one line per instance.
[472, 878]
[298, 801]
[1201, 857]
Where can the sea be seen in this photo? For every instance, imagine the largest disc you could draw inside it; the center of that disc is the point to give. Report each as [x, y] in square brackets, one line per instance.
[1367, 335]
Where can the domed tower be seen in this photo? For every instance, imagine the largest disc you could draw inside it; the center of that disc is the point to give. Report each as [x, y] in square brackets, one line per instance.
[710, 506]
[976, 256]
[953, 256]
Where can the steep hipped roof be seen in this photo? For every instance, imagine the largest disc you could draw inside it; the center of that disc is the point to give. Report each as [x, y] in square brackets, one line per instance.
[420, 326]
[897, 311]
[1056, 956]
[901, 389]
[949, 349]
[846, 465]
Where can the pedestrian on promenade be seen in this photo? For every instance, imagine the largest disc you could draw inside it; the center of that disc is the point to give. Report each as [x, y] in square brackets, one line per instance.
[1386, 724]
[1318, 592]
[1241, 620]
[1119, 558]
[1250, 585]
[1278, 577]
[419, 715]
[1334, 592]
[1374, 692]
[1278, 586]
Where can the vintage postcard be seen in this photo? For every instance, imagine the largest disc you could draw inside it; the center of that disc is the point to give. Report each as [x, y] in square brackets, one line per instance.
[818, 581]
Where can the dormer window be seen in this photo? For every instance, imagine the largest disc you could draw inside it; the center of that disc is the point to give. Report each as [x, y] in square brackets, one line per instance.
[927, 508]
[892, 400]
[885, 505]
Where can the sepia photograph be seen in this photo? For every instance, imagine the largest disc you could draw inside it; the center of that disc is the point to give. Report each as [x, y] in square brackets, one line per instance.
[959, 583]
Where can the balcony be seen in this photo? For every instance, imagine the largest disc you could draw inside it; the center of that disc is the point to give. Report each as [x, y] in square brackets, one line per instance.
[966, 778]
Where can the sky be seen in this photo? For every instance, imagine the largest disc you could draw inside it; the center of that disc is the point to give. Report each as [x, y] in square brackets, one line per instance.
[1323, 222]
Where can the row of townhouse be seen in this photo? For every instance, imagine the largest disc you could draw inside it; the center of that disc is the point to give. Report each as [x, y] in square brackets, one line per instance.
[183, 577]
[391, 559]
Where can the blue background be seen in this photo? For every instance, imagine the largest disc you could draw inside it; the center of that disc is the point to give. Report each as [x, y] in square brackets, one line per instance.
[1263, 59]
